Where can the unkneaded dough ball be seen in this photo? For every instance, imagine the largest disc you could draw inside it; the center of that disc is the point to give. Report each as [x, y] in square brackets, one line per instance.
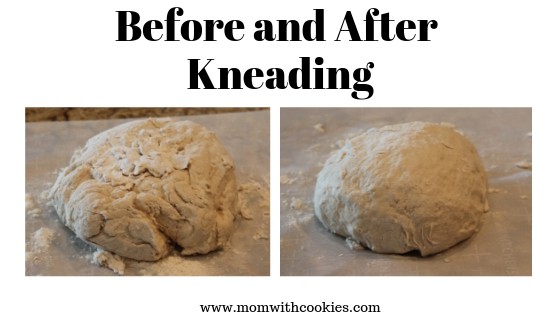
[414, 186]
[143, 187]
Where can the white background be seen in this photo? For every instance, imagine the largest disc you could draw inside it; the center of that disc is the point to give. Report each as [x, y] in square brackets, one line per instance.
[483, 53]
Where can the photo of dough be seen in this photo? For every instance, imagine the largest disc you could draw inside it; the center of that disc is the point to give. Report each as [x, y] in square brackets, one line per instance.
[185, 195]
[406, 191]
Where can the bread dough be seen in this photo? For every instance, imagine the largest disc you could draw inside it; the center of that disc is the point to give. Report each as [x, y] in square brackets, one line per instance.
[414, 186]
[143, 187]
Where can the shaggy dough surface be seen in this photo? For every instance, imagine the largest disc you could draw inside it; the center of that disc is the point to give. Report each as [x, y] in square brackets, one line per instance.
[414, 186]
[140, 188]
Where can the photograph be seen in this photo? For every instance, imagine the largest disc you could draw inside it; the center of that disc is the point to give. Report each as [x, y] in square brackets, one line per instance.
[406, 191]
[147, 191]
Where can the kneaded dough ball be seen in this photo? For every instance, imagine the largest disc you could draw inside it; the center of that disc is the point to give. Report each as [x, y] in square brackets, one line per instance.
[143, 187]
[414, 186]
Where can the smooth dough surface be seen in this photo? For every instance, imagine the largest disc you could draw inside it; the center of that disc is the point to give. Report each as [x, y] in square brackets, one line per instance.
[143, 187]
[414, 186]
